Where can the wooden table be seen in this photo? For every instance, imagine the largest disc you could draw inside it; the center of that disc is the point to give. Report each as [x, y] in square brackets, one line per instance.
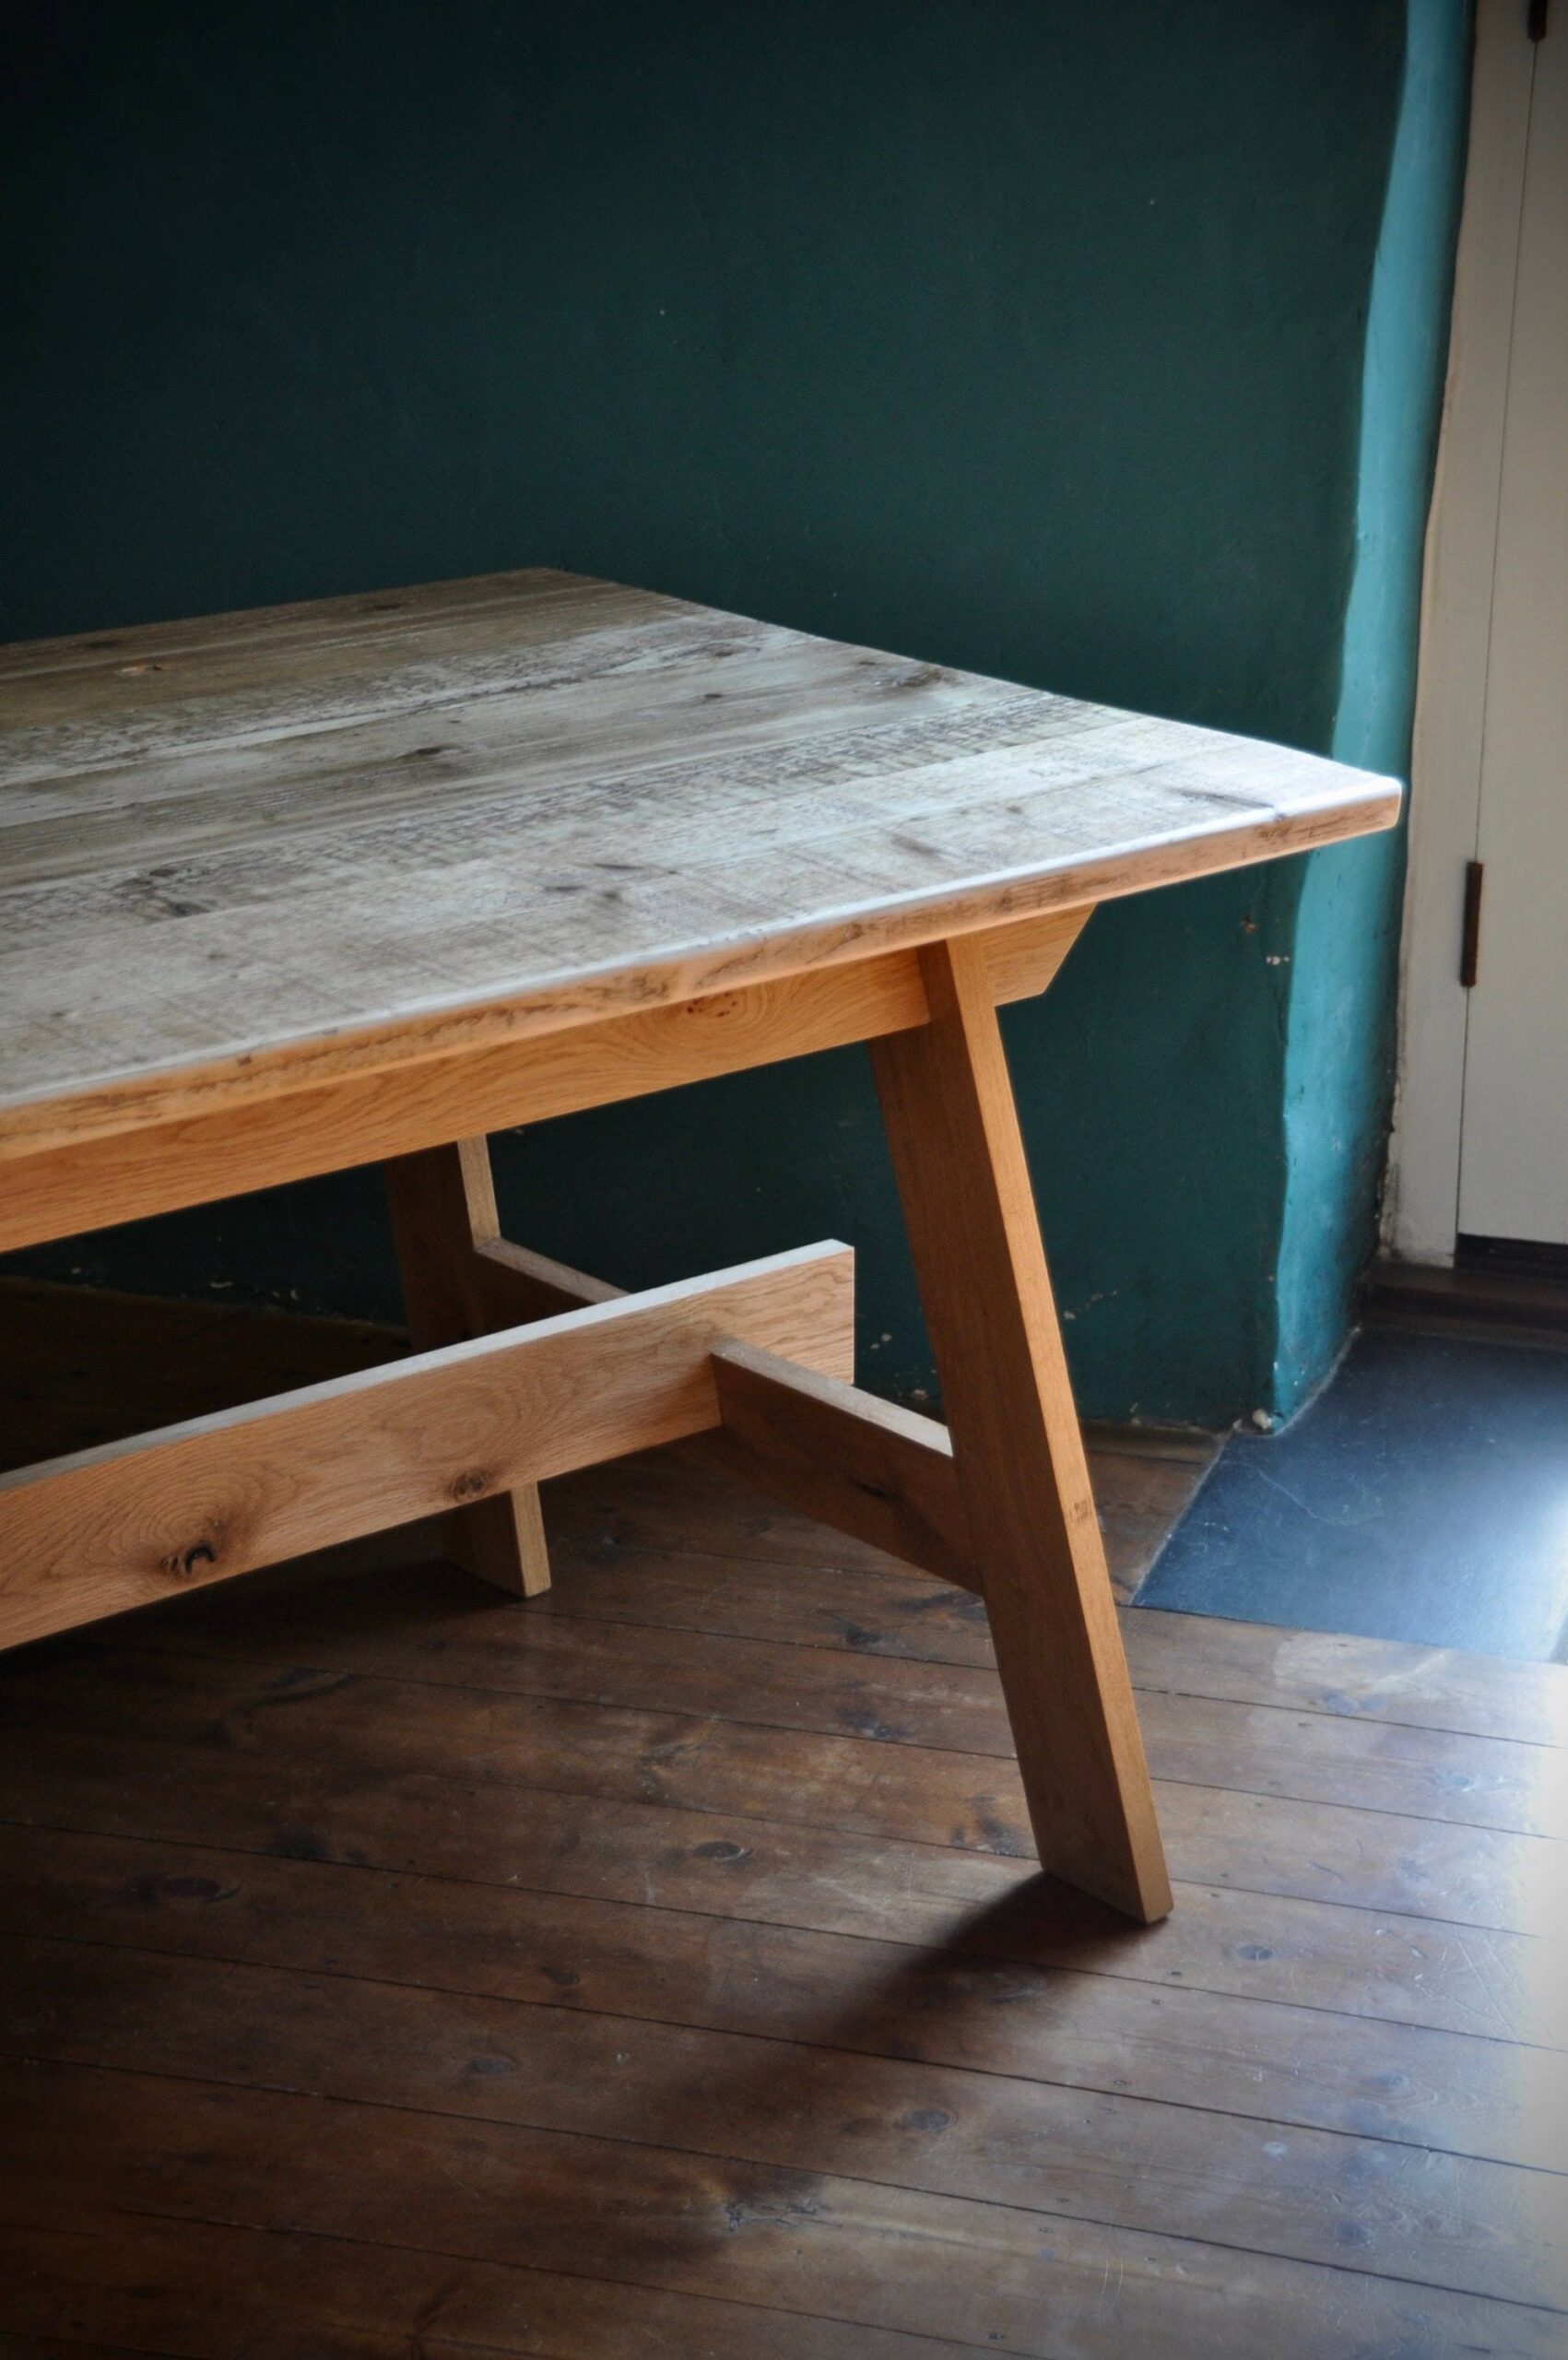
[368, 879]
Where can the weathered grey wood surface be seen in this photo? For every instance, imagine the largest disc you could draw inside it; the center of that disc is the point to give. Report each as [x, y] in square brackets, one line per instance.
[481, 808]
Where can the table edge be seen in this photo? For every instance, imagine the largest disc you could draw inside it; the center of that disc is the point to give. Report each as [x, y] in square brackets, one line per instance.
[164, 1094]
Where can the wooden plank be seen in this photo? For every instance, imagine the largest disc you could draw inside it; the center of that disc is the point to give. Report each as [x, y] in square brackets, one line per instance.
[820, 1444]
[1138, 1495]
[1453, 1877]
[730, 1852]
[1469, 1300]
[1425, 2216]
[1017, 2278]
[192, 2285]
[345, 1106]
[443, 1205]
[78, 677]
[839, 1592]
[56, 2347]
[131, 1522]
[666, 1512]
[235, 851]
[80, 1365]
[1367, 1680]
[514, 1283]
[952, 1129]
[366, 1625]
[950, 2001]
[1023, 959]
[865, 1465]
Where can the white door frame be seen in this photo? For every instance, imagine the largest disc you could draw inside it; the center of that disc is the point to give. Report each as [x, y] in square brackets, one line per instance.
[1421, 1201]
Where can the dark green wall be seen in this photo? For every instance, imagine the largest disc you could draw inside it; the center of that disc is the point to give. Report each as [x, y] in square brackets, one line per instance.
[1025, 337]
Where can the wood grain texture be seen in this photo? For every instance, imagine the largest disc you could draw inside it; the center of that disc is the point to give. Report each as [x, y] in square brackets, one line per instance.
[258, 851]
[1329, 1814]
[443, 1209]
[864, 1466]
[368, 1991]
[647, 2212]
[617, 1522]
[583, 1656]
[130, 1522]
[1021, 2140]
[817, 1442]
[958, 1156]
[79, 1366]
[1275, 1900]
[1059, 2014]
[350, 2298]
[259, 1134]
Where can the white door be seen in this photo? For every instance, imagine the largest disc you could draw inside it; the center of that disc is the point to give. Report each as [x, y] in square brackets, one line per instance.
[1514, 1126]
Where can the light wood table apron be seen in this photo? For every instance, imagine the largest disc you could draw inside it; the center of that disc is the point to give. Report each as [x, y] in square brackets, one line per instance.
[287, 892]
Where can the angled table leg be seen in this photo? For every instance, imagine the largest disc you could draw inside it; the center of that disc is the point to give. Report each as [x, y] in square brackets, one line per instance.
[952, 1128]
[443, 1205]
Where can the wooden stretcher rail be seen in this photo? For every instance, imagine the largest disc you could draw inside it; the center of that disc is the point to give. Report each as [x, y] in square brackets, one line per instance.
[865, 1466]
[811, 1441]
[134, 1521]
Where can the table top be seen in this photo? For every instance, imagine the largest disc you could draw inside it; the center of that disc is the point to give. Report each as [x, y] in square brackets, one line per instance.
[378, 827]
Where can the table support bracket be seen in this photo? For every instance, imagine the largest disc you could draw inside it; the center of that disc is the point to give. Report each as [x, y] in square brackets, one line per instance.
[1009, 1515]
[442, 1206]
[523, 1369]
[813, 1442]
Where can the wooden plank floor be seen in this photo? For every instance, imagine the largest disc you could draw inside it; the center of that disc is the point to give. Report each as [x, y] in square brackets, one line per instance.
[660, 1968]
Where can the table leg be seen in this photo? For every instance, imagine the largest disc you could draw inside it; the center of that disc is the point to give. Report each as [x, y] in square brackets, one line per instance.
[443, 1205]
[952, 1128]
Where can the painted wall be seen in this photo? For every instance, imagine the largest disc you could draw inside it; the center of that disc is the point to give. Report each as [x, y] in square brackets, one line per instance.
[1340, 1038]
[1031, 338]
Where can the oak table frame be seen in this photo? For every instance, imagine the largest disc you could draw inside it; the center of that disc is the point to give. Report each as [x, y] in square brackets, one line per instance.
[254, 925]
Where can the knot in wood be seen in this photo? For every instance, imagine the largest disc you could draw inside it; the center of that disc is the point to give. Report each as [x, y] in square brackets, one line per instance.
[181, 1563]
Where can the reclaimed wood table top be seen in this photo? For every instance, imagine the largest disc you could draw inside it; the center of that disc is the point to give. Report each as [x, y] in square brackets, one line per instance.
[396, 823]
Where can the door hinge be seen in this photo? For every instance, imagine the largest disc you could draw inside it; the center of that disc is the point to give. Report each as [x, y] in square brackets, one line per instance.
[1469, 940]
[1535, 18]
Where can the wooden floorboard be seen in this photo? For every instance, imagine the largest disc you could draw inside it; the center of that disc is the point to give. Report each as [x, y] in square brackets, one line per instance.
[639, 2210]
[611, 1521]
[1180, 2170]
[194, 2283]
[1392, 1968]
[356, 1725]
[963, 2002]
[660, 1966]
[352, 1626]
[56, 2347]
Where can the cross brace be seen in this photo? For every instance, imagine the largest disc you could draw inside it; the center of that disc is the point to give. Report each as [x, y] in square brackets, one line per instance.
[523, 1369]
